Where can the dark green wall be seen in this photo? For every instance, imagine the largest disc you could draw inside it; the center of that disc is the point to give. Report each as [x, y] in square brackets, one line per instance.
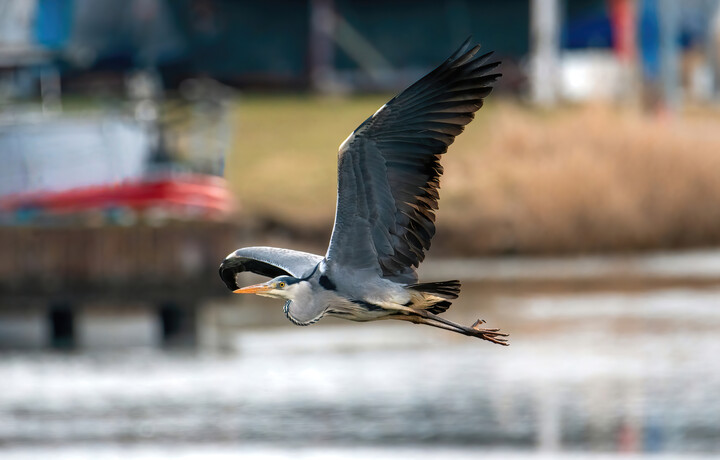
[422, 33]
[270, 38]
[228, 38]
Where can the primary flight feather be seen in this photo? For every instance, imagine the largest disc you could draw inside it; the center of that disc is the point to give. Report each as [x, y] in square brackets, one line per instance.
[388, 178]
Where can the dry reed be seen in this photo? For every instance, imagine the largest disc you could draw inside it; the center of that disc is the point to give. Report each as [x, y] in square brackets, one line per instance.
[577, 179]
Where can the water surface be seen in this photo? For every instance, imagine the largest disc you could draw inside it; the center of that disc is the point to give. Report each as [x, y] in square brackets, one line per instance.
[586, 374]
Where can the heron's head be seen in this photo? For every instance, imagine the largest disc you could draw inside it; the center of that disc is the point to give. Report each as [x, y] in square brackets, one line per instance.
[281, 287]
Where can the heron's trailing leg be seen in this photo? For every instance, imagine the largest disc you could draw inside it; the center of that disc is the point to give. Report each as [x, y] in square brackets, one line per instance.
[490, 334]
[424, 317]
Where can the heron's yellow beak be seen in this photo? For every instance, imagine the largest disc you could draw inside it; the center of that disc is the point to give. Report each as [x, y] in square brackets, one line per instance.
[255, 289]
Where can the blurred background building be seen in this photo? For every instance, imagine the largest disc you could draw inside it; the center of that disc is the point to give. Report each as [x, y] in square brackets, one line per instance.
[139, 144]
[337, 45]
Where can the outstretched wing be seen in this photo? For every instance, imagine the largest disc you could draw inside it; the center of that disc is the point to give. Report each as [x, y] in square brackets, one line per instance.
[267, 261]
[389, 168]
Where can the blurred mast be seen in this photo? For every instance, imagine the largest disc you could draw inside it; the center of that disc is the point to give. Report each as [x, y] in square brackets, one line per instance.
[322, 38]
[622, 14]
[545, 51]
[712, 50]
[329, 29]
[624, 21]
[669, 23]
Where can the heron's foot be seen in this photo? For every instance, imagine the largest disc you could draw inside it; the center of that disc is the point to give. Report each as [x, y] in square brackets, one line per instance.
[490, 334]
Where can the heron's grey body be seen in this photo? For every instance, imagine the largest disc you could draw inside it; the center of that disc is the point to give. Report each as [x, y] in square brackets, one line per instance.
[388, 180]
[321, 292]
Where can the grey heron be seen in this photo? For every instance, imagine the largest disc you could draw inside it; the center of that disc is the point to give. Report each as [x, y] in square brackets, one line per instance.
[388, 179]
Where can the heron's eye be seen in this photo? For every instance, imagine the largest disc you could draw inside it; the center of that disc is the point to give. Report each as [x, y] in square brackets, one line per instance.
[281, 284]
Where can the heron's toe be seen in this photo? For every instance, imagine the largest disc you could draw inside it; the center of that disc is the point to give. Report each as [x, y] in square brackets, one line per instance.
[491, 334]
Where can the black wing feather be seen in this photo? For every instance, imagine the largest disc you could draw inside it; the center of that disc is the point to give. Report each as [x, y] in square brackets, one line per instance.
[397, 151]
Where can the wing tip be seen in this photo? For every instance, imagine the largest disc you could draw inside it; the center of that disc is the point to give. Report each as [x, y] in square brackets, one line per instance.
[462, 49]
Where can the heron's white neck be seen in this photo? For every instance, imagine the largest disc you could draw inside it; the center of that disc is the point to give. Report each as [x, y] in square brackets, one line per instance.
[297, 292]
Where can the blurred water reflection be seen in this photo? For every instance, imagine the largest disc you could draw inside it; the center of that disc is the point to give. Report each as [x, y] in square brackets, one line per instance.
[607, 372]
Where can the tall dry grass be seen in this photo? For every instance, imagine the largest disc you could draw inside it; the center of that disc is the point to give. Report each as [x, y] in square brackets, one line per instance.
[580, 179]
[583, 179]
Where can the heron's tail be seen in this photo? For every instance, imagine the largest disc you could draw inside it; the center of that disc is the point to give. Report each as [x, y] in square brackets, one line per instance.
[436, 296]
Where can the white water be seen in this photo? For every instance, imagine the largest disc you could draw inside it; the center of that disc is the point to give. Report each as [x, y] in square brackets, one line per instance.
[599, 373]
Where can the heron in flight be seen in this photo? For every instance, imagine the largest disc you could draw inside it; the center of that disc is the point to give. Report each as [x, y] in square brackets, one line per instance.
[388, 179]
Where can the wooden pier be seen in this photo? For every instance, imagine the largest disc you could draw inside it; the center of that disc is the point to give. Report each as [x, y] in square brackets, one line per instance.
[110, 285]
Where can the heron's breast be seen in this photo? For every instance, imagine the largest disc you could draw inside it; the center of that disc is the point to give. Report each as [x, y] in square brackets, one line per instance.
[306, 307]
[299, 317]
